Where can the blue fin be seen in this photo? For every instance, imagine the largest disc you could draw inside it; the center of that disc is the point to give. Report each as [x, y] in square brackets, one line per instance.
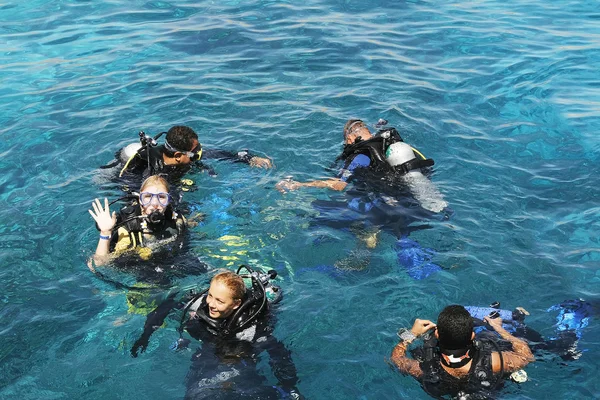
[574, 315]
[415, 259]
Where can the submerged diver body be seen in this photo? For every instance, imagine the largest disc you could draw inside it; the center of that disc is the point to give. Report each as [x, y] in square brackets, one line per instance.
[180, 152]
[235, 327]
[387, 176]
[573, 316]
[145, 230]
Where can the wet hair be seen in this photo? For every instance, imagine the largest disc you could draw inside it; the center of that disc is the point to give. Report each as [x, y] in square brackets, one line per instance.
[351, 125]
[181, 137]
[233, 282]
[155, 180]
[455, 328]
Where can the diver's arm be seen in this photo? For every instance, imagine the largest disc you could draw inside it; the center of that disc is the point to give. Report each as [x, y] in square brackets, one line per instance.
[511, 360]
[338, 183]
[202, 166]
[243, 156]
[408, 365]
[280, 360]
[332, 183]
[154, 321]
[105, 222]
[405, 365]
[281, 363]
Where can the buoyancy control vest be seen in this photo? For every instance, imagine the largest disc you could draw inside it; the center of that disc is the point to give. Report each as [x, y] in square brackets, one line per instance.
[375, 148]
[479, 383]
[132, 226]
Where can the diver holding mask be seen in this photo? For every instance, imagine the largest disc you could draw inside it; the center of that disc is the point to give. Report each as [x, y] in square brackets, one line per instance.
[235, 327]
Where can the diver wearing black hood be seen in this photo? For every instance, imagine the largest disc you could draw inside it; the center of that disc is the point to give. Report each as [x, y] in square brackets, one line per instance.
[452, 362]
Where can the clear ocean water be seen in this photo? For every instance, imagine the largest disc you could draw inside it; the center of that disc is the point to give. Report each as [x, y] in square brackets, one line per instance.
[505, 96]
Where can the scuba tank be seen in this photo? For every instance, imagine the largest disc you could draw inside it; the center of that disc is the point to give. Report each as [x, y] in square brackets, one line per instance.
[129, 152]
[401, 155]
[388, 151]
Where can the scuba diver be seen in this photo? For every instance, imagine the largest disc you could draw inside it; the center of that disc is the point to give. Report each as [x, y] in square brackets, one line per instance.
[149, 230]
[384, 153]
[140, 227]
[387, 176]
[453, 362]
[179, 153]
[235, 327]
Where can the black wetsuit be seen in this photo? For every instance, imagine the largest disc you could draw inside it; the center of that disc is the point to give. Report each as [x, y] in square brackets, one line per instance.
[226, 366]
[480, 383]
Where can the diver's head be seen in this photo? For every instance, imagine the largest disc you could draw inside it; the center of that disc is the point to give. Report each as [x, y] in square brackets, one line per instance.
[354, 129]
[455, 328]
[225, 294]
[154, 198]
[182, 145]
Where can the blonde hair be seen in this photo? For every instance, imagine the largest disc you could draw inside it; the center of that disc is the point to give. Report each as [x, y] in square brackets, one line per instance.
[233, 282]
[155, 180]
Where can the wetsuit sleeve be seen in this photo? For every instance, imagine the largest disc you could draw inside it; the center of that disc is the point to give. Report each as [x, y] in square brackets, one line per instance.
[282, 365]
[154, 321]
[358, 161]
[280, 357]
[243, 156]
[200, 166]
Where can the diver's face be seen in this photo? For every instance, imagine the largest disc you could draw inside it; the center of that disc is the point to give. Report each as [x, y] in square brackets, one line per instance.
[152, 198]
[358, 131]
[191, 155]
[220, 300]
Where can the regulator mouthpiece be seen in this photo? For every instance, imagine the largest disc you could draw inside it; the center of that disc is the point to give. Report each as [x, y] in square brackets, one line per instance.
[156, 217]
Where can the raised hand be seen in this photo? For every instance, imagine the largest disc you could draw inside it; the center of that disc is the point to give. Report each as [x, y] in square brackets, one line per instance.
[104, 219]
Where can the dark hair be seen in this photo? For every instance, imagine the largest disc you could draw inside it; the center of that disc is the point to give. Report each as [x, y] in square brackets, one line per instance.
[455, 328]
[181, 137]
[351, 125]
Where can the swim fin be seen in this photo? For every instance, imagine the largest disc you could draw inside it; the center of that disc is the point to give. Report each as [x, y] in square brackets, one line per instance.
[415, 259]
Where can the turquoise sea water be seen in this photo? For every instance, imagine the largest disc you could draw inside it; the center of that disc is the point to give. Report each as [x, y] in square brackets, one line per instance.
[505, 96]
